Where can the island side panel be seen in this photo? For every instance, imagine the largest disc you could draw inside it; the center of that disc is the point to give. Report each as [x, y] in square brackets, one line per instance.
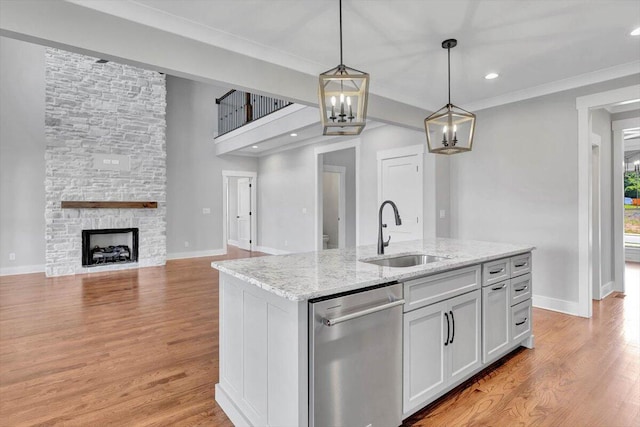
[263, 356]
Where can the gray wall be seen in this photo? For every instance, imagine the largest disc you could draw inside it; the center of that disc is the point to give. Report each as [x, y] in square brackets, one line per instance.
[287, 189]
[22, 92]
[194, 172]
[347, 159]
[601, 125]
[520, 185]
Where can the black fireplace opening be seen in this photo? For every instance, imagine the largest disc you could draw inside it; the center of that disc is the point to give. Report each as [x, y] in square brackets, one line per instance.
[109, 246]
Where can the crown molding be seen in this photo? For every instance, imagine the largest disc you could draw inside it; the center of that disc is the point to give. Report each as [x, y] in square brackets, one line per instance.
[557, 86]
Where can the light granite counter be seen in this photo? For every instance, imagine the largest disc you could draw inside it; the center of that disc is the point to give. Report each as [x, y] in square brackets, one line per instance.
[303, 276]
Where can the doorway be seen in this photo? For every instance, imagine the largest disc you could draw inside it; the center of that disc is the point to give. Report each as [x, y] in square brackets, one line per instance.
[585, 106]
[337, 190]
[334, 206]
[239, 209]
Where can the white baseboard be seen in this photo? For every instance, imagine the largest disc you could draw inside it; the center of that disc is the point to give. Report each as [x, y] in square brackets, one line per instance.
[196, 254]
[23, 269]
[554, 304]
[606, 290]
[233, 242]
[271, 251]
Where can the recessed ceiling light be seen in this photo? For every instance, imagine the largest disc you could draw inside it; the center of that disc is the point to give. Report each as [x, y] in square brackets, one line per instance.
[491, 76]
[293, 134]
[636, 32]
[255, 146]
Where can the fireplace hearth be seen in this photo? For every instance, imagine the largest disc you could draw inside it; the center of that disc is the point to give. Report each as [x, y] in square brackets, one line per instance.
[109, 246]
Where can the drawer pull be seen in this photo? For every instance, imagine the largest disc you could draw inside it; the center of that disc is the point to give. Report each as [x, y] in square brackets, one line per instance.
[500, 270]
[522, 288]
[497, 288]
[446, 342]
[453, 327]
[521, 323]
[521, 265]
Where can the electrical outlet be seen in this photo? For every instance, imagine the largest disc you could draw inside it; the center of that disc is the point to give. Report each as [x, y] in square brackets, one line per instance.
[12, 256]
[186, 244]
[304, 211]
[442, 213]
[206, 211]
[286, 243]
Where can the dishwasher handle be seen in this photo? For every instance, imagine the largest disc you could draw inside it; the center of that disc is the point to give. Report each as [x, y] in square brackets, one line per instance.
[336, 320]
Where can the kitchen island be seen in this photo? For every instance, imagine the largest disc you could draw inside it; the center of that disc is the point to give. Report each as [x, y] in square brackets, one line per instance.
[265, 327]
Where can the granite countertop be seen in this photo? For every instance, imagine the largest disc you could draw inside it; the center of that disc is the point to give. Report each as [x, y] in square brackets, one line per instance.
[303, 276]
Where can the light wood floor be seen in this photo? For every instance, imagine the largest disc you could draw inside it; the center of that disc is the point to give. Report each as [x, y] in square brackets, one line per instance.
[140, 348]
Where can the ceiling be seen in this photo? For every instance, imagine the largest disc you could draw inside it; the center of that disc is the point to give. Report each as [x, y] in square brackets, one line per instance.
[532, 44]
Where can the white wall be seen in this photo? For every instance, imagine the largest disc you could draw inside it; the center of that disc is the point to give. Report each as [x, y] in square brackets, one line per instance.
[601, 125]
[22, 169]
[519, 184]
[194, 173]
[347, 159]
[287, 185]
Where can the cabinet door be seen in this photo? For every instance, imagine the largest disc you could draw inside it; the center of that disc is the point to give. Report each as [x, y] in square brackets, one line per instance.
[425, 331]
[496, 334]
[464, 343]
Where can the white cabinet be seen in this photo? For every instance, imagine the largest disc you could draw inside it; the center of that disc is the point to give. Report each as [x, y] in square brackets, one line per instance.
[506, 305]
[496, 320]
[441, 346]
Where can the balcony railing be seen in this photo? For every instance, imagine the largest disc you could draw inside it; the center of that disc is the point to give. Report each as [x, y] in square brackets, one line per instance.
[237, 108]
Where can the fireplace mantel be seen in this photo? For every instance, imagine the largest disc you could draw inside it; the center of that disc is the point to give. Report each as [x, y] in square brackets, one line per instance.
[108, 205]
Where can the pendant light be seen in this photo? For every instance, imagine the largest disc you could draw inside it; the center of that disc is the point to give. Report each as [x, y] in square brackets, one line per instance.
[450, 129]
[343, 94]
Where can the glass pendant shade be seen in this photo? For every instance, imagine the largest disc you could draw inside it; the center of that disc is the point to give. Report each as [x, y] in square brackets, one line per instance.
[450, 130]
[343, 94]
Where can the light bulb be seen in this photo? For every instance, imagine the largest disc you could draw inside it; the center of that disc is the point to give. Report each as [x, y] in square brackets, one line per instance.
[333, 101]
[444, 129]
[455, 128]
[636, 163]
[349, 101]
[342, 98]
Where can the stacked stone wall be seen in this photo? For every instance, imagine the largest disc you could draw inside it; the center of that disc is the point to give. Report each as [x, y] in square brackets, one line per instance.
[96, 111]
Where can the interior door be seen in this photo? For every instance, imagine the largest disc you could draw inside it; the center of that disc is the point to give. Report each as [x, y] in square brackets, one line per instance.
[401, 182]
[244, 213]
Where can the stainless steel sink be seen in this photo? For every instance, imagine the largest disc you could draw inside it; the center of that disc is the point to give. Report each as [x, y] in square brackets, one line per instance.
[401, 261]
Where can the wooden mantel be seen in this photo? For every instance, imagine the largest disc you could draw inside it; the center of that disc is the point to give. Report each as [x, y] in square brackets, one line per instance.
[108, 205]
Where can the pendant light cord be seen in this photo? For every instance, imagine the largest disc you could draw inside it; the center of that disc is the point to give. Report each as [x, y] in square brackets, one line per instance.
[448, 71]
[341, 63]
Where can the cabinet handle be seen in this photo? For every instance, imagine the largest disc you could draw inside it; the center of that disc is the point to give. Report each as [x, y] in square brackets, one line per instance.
[453, 327]
[446, 342]
[496, 271]
[336, 320]
[497, 288]
[520, 265]
[521, 323]
[522, 288]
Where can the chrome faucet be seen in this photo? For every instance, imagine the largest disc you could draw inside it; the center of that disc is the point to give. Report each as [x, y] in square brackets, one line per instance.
[381, 242]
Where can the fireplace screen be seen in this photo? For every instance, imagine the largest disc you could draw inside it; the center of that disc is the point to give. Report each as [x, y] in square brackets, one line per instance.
[109, 246]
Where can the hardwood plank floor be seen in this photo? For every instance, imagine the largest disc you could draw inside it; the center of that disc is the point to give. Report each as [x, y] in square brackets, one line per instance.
[140, 348]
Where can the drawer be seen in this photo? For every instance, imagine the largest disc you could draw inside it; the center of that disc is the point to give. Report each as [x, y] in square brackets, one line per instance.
[521, 321]
[521, 264]
[496, 271]
[520, 289]
[431, 289]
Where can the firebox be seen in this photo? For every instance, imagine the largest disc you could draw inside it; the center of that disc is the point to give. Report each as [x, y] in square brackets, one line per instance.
[109, 246]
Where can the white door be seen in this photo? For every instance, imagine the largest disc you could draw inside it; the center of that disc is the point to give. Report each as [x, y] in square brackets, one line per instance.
[244, 213]
[401, 182]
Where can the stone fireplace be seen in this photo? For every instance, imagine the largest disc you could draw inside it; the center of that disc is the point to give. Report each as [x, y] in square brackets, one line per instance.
[105, 142]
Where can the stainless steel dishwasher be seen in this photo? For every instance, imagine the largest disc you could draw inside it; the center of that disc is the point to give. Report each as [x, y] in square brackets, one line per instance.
[355, 359]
